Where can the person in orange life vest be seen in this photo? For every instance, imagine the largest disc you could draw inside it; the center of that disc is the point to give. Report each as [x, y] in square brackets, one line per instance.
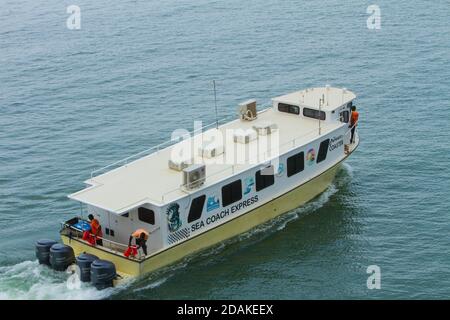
[353, 122]
[140, 237]
[96, 229]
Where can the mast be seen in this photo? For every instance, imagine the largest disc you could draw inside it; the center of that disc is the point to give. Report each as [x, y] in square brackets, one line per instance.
[215, 104]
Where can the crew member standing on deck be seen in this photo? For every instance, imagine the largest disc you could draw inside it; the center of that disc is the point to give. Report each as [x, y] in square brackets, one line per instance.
[96, 229]
[140, 237]
[353, 122]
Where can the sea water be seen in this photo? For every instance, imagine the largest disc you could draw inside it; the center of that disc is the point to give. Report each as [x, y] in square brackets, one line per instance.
[73, 100]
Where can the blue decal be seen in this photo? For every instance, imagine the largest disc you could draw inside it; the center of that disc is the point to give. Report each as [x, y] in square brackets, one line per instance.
[249, 183]
[212, 203]
[280, 170]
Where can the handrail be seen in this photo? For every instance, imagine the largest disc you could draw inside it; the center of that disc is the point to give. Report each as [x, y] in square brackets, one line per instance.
[349, 129]
[110, 242]
[157, 147]
[232, 167]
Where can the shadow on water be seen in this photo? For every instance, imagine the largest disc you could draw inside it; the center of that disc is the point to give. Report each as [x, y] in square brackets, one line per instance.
[281, 248]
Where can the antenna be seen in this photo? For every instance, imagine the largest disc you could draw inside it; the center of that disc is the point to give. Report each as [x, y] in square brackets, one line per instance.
[328, 89]
[215, 104]
[320, 114]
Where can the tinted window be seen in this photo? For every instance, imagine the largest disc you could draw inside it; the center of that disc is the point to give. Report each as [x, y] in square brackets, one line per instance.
[316, 114]
[264, 179]
[295, 164]
[289, 108]
[231, 193]
[196, 208]
[146, 215]
[323, 149]
[345, 116]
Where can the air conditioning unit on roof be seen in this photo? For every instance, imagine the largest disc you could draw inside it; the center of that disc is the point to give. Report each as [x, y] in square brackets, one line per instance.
[247, 110]
[194, 176]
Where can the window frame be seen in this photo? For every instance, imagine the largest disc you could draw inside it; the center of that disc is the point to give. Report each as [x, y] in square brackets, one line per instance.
[288, 108]
[228, 196]
[323, 150]
[194, 216]
[263, 181]
[298, 166]
[150, 211]
[342, 116]
[316, 114]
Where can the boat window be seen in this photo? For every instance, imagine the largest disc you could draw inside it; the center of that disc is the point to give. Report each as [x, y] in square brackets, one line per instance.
[196, 208]
[266, 179]
[350, 104]
[146, 215]
[289, 108]
[345, 116]
[295, 164]
[231, 193]
[323, 150]
[312, 113]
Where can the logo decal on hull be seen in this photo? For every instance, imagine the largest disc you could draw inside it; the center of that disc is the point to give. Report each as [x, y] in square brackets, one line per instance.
[280, 170]
[249, 183]
[310, 156]
[212, 203]
[173, 217]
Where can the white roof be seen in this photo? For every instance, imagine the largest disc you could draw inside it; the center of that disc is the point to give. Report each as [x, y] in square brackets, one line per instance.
[334, 98]
[150, 180]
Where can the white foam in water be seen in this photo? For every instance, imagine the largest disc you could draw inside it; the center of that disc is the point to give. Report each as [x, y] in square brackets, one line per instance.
[153, 284]
[29, 280]
[348, 169]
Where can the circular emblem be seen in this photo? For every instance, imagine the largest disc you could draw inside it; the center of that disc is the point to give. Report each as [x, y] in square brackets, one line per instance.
[173, 217]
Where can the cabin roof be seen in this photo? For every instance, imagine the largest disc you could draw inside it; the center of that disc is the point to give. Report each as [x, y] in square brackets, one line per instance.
[334, 98]
[150, 180]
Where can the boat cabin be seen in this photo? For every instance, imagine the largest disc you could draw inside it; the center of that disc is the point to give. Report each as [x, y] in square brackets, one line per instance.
[177, 199]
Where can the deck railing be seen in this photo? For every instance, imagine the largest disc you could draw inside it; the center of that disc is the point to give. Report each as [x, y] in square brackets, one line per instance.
[232, 168]
[156, 148]
[107, 245]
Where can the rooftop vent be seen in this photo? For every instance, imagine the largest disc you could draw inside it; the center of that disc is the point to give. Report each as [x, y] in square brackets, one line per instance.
[180, 164]
[244, 136]
[247, 110]
[210, 150]
[194, 176]
[265, 127]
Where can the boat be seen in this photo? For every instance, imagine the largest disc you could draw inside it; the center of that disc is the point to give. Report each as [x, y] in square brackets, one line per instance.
[206, 186]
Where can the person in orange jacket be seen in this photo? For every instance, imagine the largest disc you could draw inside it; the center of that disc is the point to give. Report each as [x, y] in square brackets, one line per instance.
[140, 237]
[353, 122]
[96, 229]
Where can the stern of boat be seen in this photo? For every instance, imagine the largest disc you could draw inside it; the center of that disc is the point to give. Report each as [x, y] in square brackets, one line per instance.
[72, 236]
